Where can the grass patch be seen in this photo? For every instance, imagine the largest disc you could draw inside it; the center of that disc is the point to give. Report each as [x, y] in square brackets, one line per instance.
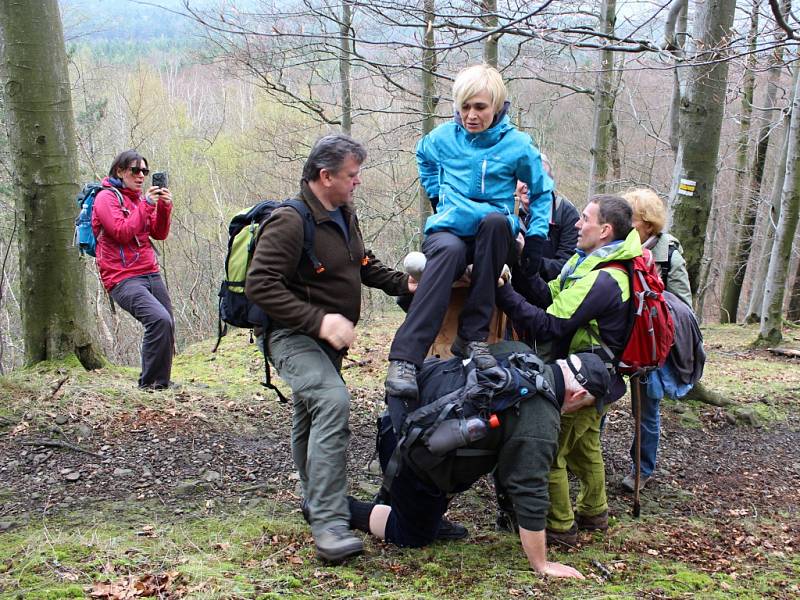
[240, 554]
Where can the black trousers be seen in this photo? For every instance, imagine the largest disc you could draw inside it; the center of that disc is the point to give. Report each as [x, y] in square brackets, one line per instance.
[448, 257]
[417, 506]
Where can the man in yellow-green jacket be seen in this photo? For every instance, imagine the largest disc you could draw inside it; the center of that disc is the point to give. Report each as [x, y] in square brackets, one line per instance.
[586, 302]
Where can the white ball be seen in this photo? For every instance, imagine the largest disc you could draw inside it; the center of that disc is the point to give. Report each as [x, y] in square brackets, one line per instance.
[414, 264]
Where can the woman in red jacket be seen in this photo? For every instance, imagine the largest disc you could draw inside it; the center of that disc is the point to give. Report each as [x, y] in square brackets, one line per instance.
[124, 219]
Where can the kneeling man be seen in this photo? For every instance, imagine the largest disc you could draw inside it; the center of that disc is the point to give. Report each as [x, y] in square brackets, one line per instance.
[521, 445]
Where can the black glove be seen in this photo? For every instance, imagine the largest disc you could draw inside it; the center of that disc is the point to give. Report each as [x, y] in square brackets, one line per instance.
[532, 255]
[434, 200]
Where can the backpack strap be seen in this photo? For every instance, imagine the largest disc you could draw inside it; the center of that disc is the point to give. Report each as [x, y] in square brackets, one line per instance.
[667, 265]
[120, 199]
[222, 328]
[309, 232]
[267, 383]
[396, 460]
[626, 267]
[118, 194]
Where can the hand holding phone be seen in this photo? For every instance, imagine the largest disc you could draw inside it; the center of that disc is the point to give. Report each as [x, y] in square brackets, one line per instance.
[160, 179]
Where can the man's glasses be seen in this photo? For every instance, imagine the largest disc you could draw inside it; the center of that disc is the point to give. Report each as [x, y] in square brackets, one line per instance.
[142, 170]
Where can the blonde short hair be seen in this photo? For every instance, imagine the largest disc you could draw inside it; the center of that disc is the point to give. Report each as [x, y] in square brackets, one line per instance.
[647, 207]
[476, 79]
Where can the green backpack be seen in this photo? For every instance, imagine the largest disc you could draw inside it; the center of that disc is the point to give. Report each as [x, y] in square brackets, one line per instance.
[234, 307]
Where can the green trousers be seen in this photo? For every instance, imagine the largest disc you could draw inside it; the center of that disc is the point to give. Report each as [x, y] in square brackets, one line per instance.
[320, 430]
[579, 451]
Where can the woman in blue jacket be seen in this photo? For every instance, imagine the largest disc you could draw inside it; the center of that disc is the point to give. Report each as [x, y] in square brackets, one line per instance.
[469, 168]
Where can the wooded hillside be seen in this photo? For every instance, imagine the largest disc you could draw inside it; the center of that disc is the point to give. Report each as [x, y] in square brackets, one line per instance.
[229, 103]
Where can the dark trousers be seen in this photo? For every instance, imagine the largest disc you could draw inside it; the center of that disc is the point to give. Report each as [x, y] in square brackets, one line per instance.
[448, 257]
[146, 298]
[417, 506]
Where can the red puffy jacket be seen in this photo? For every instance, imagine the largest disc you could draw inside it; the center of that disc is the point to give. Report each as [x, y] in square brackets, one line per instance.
[123, 235]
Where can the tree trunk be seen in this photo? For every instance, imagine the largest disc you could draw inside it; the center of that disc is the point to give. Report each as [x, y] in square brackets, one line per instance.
[675, 34]
[793, 314]
[759, 262]
[775, 286]
[701, 114]
[429, 99]
[489, 20]
[742, 238]
[754, 311]
[602, 122]
[345, 50]
[41, 130]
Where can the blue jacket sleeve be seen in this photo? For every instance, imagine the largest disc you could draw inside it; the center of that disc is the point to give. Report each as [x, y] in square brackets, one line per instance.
[428, 166]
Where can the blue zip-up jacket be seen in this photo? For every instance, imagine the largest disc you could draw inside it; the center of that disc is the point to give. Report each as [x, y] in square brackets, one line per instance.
[475, 174]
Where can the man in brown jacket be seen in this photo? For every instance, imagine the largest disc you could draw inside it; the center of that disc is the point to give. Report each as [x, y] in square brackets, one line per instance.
[314, 313]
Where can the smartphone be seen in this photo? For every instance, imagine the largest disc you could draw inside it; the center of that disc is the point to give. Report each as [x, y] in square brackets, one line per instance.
[160, 179]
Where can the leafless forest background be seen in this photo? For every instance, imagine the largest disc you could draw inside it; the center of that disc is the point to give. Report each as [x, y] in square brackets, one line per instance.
[228, 97]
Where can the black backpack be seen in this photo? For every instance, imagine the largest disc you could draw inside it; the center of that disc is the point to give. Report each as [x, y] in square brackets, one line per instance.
[441, 437]
[234, 307]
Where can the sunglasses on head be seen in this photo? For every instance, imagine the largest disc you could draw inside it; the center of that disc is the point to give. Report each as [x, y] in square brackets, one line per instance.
[142, 170]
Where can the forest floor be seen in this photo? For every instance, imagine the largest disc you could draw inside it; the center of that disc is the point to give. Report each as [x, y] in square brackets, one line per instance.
[110, 492]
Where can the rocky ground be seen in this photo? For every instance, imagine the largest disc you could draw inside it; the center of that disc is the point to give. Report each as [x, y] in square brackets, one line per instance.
[711, 468]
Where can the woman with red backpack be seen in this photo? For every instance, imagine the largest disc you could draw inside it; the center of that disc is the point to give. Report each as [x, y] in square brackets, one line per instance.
[124, 219]
[649, 218]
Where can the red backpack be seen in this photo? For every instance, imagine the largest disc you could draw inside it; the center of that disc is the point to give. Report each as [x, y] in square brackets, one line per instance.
[652, 330]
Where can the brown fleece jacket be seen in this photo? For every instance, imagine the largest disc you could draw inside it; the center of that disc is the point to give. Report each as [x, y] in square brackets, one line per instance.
[283, 283]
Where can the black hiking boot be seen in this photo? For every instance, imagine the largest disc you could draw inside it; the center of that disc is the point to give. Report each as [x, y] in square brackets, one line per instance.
[449, 531]
[401, 379]
[477, 351]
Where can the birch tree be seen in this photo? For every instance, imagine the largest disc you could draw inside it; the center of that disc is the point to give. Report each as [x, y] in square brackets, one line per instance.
[674, 42]
[41, 130]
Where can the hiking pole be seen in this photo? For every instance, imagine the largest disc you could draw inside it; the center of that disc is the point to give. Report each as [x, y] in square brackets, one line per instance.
[636, 396]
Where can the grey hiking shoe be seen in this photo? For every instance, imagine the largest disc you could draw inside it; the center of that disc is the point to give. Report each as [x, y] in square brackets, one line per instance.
[401, 379]
[629, 482]
[477, 351]
[337, 543]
